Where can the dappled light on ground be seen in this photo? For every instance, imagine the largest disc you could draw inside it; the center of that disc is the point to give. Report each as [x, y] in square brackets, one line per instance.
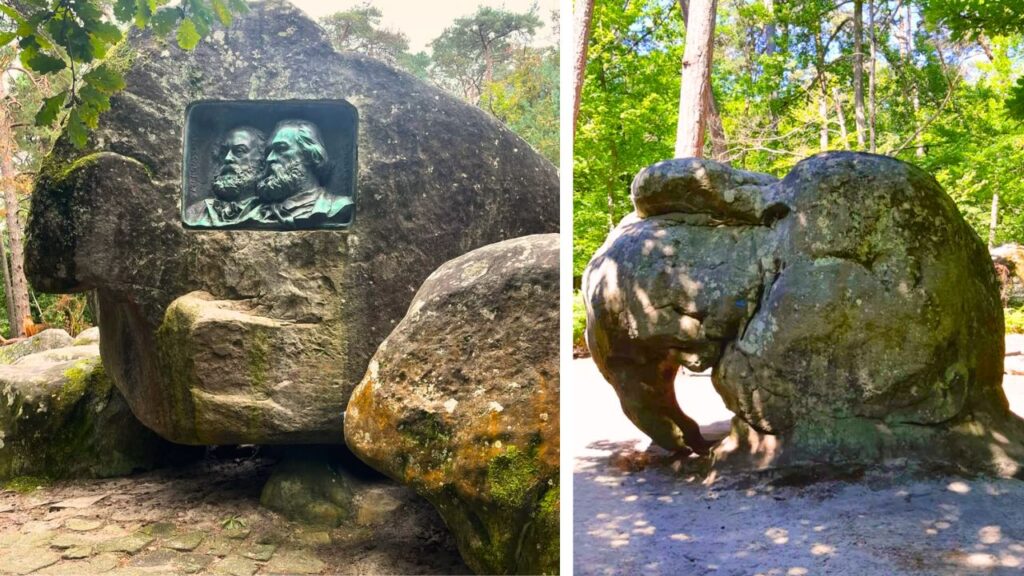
[640, 509]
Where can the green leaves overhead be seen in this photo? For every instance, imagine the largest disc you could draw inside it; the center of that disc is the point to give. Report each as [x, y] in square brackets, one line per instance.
[76, 35]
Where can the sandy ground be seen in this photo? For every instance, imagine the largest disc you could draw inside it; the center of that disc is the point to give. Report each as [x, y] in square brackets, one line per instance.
[637, 512]
[205, 518]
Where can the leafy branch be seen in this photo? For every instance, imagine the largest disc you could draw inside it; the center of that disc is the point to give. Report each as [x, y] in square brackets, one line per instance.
[77, 35]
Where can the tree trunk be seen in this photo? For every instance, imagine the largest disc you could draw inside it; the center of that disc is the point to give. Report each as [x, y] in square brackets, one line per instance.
[872, 76]
[719, 147]
[695, 79]
[858, 69]
[19, 285]
[584, 15]
[915, 102]
[823, 92]
[841, 117]
[993, 220]
[8, 291]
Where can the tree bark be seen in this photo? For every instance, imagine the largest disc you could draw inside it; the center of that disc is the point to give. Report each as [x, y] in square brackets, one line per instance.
[8, 291]
[695, 79]
[823, 92]
[993, 220]
[19, 285]
[719, 146]
[872, 76]
[858, 69]
[841, 117]
[584, 15]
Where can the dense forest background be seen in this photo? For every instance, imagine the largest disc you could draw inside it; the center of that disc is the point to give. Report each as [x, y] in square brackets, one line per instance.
[933, 83]
[492, 58]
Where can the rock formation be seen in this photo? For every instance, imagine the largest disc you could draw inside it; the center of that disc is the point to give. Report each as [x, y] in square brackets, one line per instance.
[461, 403]
[258, 336]
[61, 417]
[848, 312]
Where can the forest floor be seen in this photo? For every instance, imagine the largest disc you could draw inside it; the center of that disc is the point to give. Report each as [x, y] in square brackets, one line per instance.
[636, 512]
[205, 518]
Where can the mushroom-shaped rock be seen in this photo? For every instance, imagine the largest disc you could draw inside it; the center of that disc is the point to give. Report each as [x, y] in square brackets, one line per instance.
[860, 321]
[461, 403]
[434, 178]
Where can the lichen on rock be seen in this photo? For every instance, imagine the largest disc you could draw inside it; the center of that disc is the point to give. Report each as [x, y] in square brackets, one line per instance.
[848, 312]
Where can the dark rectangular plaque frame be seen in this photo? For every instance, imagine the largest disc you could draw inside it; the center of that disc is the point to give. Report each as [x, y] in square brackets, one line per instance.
[330, 205]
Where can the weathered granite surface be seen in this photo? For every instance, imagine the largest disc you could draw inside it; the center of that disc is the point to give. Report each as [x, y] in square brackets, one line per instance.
[461, 403]
[848, 312]
[436, 178]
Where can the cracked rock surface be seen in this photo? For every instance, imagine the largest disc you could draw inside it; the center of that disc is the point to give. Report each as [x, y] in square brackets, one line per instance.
[435, 178]
[848, 312]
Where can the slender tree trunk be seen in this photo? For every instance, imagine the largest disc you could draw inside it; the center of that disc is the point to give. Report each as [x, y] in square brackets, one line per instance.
[769, 28]
[719, 146]
[584, 14]
[993, 220]
[696, 77]
[823, 92]
[858, 69]
[983, 42]
[841, 117]
[19, 285]
[872, 76]
[8, 291]
[915, 102]
[611, 186]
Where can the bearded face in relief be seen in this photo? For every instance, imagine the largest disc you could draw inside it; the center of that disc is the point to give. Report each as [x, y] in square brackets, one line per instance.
[240, 159]
[296, 162]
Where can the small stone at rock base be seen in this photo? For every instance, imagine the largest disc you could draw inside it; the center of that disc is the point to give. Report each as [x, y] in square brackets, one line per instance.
[77, 552]
[261, 552]
[295, 562]
[192, 563]
[83, 524]
[375, 506]
[234, 565]
[130, 544]
[103, 563]
[157, 559]
[311, 538]
[184, 542]
[26, 561]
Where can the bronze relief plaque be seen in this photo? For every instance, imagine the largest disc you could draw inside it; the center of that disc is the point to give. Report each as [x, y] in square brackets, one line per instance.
[269, 165]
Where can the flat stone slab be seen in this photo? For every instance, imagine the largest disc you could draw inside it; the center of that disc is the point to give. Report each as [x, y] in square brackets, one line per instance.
[78, 552]
[27, 561]
[83, 524]
[185, 542]
[130, 544]
[295, 562]
[260, 552]
[218, 546]
[235, 565]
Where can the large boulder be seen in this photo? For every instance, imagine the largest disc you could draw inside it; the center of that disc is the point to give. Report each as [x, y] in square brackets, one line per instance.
[295, 315]
[61, 417]
[461, 403]
[848, 312]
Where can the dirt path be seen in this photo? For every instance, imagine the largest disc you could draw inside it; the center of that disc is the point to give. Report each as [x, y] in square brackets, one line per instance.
[205, 518]
[633, 513]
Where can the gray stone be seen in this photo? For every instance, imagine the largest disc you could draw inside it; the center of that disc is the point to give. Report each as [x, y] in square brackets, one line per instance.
[460, 402]
[848, 311]
[234, 565]
[46, 340]
[26, 561]
[60, 416]
[77, 552]
[295, 562]
[88, 336]
[130, 544]
[435, 178]
[82, 524]
[260, 552]
[309, 489]
[184, 542]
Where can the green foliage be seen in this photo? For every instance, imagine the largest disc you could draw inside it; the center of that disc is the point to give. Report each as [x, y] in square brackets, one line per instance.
[945, 105]
[579, 321]
[76, 35]
[1014, 318]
